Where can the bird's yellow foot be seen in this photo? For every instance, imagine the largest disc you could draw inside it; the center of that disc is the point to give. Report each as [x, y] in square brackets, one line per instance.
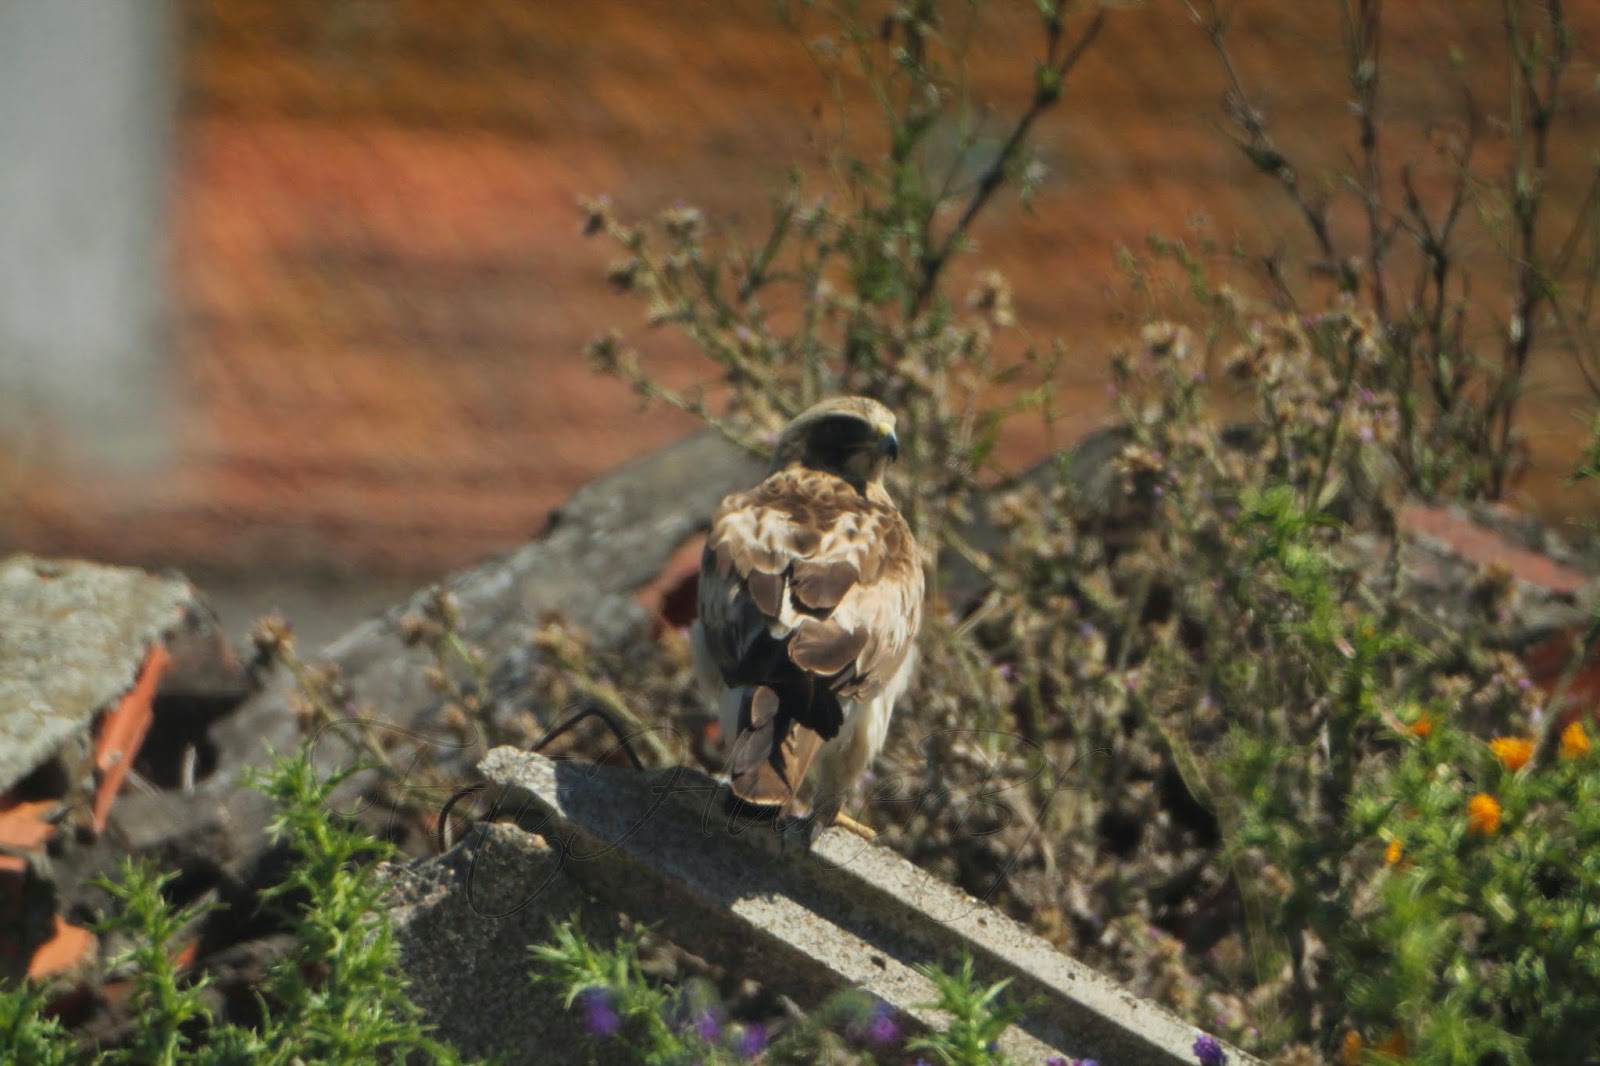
[860, 829]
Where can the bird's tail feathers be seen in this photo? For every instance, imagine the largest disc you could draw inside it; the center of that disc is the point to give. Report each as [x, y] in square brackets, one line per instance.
[771, 753]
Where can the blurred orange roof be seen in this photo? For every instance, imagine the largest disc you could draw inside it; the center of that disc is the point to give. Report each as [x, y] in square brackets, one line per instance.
[381, 288]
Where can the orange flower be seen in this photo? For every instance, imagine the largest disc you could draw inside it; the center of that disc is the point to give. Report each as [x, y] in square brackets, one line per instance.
[1514, 752]
[1350, 1050]
[1392, 854]
[1483, 814]
[1422, 726]
[1574, 741]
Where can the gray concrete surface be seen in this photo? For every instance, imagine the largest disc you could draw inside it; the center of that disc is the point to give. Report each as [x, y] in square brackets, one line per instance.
[73, 637]
[845, 913]
[463, 923]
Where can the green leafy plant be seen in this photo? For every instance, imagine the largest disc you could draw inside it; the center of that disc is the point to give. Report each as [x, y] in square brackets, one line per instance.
[978, 1015]
[336, 996]
[342, 999]
[656, 1023]
[1479, 932]
[618, 1002]
[169, 1009]
[25, 1029]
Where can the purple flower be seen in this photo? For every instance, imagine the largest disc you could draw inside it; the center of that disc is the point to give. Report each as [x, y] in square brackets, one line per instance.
[707, 1026]
[599, 1013]
[1056, 1060]
[879, 1030]
[1208, 1051]
[752, 1041]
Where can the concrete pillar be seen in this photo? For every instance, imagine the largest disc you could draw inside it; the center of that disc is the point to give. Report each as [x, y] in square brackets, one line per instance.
[88, 90]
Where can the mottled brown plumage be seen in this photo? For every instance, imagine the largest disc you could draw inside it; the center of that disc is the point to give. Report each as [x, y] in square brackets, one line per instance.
[810, 599]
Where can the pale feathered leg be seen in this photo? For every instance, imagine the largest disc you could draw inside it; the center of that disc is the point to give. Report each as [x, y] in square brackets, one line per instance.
[843, 761]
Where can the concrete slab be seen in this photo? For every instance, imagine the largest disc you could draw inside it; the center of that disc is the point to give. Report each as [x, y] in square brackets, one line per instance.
[463, 923]
[659, 846]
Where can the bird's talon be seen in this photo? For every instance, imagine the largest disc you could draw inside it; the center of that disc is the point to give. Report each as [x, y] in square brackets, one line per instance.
[860, 829]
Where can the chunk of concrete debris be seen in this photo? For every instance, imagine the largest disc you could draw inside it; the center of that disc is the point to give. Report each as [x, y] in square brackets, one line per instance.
[658, 847]
[464, 921]
[73, 639]
[83, 649]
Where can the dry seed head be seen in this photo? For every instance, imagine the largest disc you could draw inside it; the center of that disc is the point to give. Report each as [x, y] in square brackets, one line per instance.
[559, 640]
[1139, 467]
[622, 274]
[323, 677]
[455, 717]
[596, 214]
[1167, 340]
[1241, 364]
[304, 711]
[415, 629]
[272, 637]
[1014, 510]
[607, 354]
[992, 299]
[445, 606]
[682, 223]
[660, 312]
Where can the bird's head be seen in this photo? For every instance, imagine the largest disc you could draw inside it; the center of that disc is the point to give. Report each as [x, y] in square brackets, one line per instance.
[851, 436]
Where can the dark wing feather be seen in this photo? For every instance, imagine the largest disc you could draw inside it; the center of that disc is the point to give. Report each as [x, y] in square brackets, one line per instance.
[772, 752]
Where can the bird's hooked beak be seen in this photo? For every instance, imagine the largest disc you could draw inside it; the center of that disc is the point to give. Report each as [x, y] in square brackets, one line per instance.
[888, 443]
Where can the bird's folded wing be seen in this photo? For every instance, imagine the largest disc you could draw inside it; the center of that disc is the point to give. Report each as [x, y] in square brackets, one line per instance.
[813, 593]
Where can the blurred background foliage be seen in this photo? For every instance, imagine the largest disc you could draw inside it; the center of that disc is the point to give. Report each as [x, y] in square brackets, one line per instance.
[374, 276]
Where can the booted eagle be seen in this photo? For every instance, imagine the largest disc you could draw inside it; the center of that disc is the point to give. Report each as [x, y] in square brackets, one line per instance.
[810, 600]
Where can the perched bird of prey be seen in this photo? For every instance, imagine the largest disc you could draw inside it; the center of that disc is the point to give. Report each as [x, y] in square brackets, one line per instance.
[810, 600]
